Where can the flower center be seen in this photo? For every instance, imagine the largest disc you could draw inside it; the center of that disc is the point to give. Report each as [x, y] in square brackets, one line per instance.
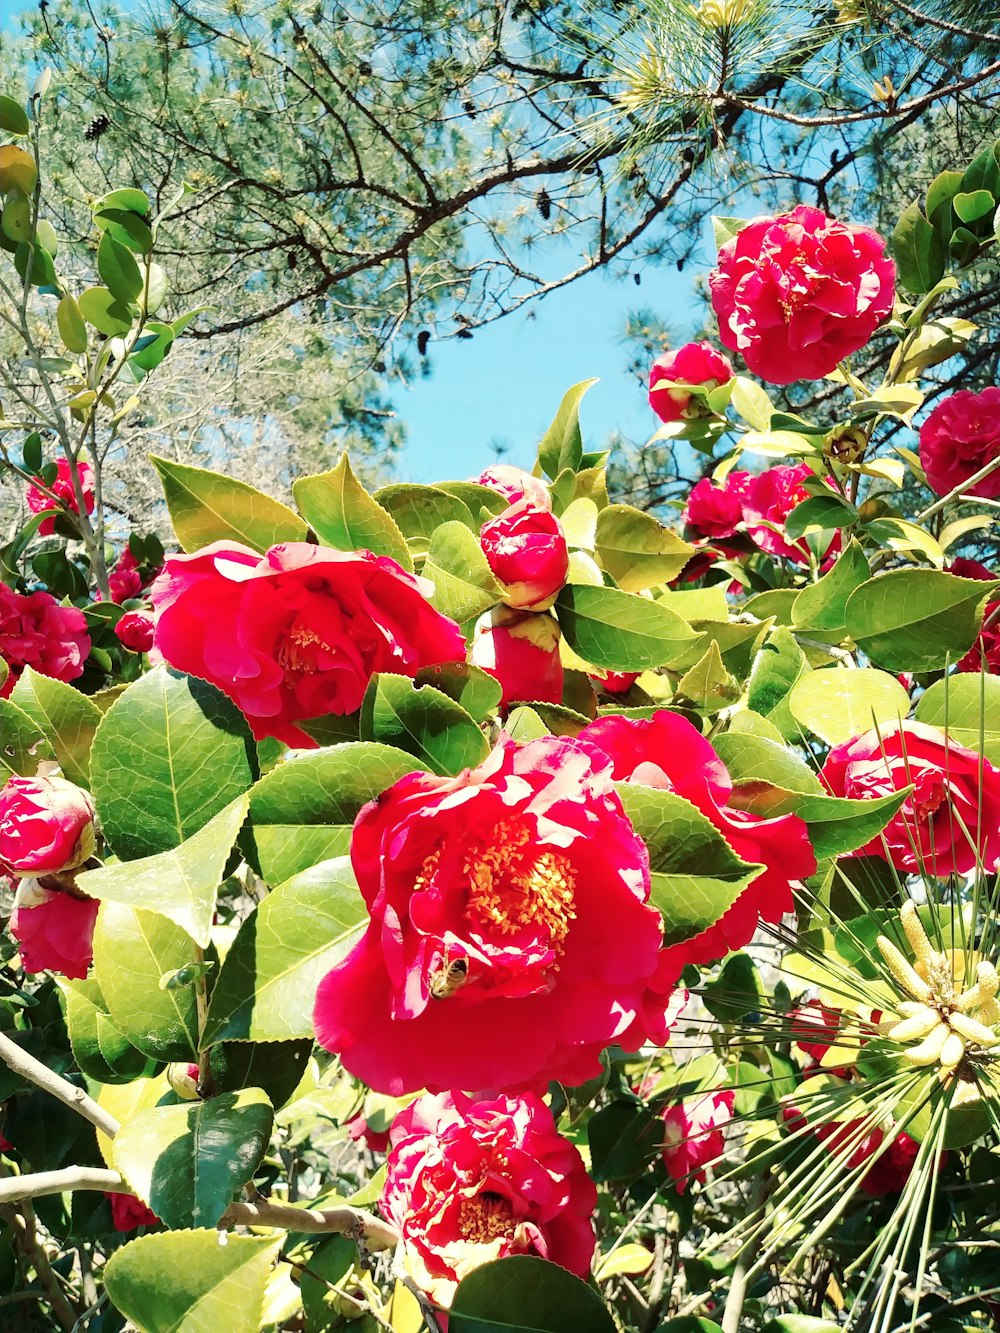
[485, 1217]
[513, 885]
[299, 650]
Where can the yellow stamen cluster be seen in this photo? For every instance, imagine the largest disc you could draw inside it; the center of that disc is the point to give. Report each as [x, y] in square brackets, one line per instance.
[948, 1023]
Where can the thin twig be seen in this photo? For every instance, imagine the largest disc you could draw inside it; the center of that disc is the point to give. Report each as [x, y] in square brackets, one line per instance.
[27, 1067]
[375, 1233]
[15, 1189]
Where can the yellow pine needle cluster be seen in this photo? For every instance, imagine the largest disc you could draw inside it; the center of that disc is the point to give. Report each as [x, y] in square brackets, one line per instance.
[948, 1023]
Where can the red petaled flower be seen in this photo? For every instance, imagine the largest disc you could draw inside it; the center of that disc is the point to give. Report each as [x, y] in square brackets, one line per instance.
[767, 502]
[128, 1212]
[46, 826]
[693, 1136]
[520, 649]
[36, 631]
[54, 930]
[797, 293]
[857, 1142]
[959, 438]
[510, 938]
[136, 631]
[694, 363]
[984, 655]
[667, 752]
[40, 503]
[949, 823]
[514, 484]
[469, 1181]
[527, 552]
[717, 511]
[299, 632]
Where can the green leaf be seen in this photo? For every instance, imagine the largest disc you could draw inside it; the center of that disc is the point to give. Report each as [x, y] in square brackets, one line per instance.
[708, 685]
[752, 403]
[696, 874]
[342, 514]
[100, 1048]
[105, 312]
[208, 507]
[637, 550]
[973, 205]
[119, 271]
[275, 1066]
[169, 755]
[942, 189]
[917, 619]
[967, 706]
[17, 170]
[736, 991]
[187, 1161]
[464, 586]
[421, 721]
[522, 1294]
[128, 199]
[562, 443]
[725, 230]
[818, 513]
[66, 718]
[524, 724]
[478, 692]
[126, 227]
[918, 251]
[836, 705]
[186, 1282]
[13, 117]
[800, 1323]
[302, 812]
[181, 883]
[71, 325]
[419, 511]
[838, 825]
[621, 631]
[779, 663]
[23, 745]
[821, 605]
[132, 951]
[757, 765]
[268, 982]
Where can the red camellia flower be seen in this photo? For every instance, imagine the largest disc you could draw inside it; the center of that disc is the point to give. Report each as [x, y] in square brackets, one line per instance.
[797, 293]
[296, 633]
[46, 826]
[616, 682]
[54, 930]
[514, 484]
[959, 438]
[40, 503]
[694, 363]
[520, 649]
[667, 752]
[716, 511]
[128, 1212]
[693, 1136]
[767, 502]
[984, 655]
[857, 1142]
[526, 550]
[814, 1027]
[472, 1180]
[36, 631]
[510, 937]
[136, 631]
[360, 1131]
[953, 811]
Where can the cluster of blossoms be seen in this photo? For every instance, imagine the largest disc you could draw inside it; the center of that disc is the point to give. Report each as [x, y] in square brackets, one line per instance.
[59, 496]
[36, 631]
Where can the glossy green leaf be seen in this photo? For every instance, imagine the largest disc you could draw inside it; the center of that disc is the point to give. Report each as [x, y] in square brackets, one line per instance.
[972, 205]
[118, 269]
[71, 324]
[419, 511]
[464, 586]
[918, 251]
[621, 631]
[102, 309]
[169, 755]
[275, 1066]
[13, 117]
[562, 443]
[822, 605]
[707, 684]
[478, 692]
[818, 513]
[181, 883]
[126, 226]
[637, 550]
[342, 514]
[779, 663]
[837, 825]
[836, 704]
[66, 718]
[696, 874]
[100, 1048]
[967, 706]
[133, 950]
[421, 721]
[917, 619]
[800, 1323]
[302, 812]
[267, 985]
[187, 1161]
[522, 1294]
[208, 507]
[23, 745]
[187, 1282]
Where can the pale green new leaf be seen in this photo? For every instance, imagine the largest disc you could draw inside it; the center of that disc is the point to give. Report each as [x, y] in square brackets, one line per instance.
[67, 719]
[343, 514]
[208, 507]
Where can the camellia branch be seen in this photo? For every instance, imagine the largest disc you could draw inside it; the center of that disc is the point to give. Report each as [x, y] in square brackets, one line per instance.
[27, 1067]
[366, 1228]
[15, 1189]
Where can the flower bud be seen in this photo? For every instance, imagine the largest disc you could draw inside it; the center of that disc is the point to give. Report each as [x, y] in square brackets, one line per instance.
[183, 1079]
[521, 651]
[136, 631]
[46, 826]
[527, 552]
[514, 484]
[845, 444]
[54, 930]
[694, 363]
